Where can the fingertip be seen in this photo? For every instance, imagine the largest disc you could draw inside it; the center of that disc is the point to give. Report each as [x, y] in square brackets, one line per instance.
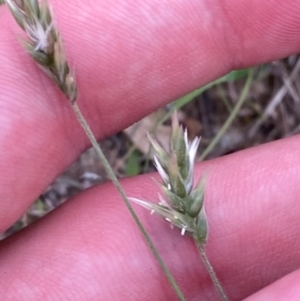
[286, 288]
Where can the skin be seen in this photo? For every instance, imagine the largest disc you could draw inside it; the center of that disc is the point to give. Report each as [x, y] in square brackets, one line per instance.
[132, 57]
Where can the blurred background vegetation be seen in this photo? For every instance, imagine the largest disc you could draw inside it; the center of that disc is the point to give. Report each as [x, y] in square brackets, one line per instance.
[242, 109]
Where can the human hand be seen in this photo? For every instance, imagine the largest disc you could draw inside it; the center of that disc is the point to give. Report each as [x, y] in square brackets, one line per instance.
[131, 58]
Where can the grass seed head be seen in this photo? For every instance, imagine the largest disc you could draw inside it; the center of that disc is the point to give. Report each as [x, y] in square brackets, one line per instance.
[182, 206]
[43, 42]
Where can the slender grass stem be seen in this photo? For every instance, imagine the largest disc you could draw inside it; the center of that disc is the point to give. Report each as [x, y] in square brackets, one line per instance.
[231, 117]
[211, 271]
[117, 184]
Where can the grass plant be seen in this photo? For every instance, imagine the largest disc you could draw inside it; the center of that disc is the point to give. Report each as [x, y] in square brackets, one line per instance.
[182, 204]
[45, 46]
[260, 116]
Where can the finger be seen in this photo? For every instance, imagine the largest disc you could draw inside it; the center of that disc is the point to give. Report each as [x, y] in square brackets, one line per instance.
[130, 59]
[91, 246]
[286, 288]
